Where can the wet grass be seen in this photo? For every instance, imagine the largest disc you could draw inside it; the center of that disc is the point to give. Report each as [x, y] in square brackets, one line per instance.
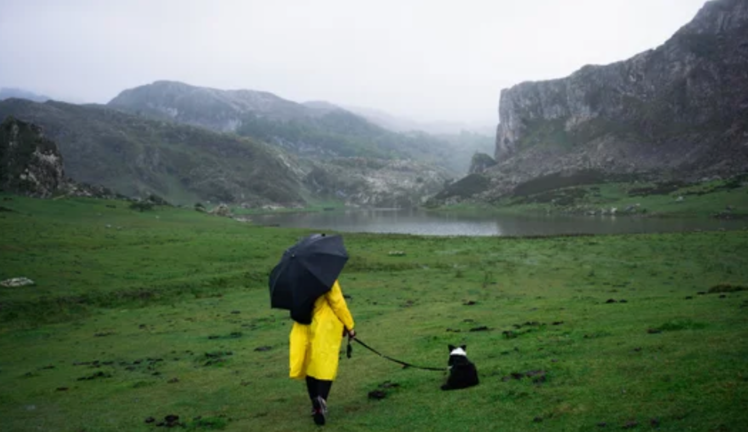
[168, 317]
[727, 199]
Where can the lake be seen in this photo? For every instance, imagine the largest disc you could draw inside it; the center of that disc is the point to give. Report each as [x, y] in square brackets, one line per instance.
[410, 221]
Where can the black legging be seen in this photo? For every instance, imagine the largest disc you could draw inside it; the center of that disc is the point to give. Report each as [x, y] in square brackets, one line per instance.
[317, 387]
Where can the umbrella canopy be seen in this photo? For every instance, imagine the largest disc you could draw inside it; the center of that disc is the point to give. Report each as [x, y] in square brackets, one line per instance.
[306, 271]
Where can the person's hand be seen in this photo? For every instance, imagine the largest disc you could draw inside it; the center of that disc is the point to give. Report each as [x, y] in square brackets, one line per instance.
[352, 334]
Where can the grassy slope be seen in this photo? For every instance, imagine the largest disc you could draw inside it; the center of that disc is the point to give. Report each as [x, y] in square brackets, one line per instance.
[699, 200]
[136, 156]
[602, 365]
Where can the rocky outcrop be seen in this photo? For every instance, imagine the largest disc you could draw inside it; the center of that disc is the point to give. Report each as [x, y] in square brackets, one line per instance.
[30, 163]
[461, 190]
[222, 210]
[681, 108]
[378, 183]
[480, 163]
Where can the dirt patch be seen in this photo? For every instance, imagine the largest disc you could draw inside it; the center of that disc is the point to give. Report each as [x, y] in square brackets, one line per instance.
[216, 357]
[382, 390]
[538, 376]
[232, 335]
[169, 421]
[263, 348]
[104, 334]
[726, 288]
[377, 395]
[97, 375]
[479, 329]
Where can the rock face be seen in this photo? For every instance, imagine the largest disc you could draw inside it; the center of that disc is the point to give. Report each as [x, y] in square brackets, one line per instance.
[480, 163]
[30, 163]
[681, 108]
[375, 182]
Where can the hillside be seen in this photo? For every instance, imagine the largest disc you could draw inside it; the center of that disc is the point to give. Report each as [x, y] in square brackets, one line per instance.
[8, 93]
[137, 156]
[679, 111]
[314, 129]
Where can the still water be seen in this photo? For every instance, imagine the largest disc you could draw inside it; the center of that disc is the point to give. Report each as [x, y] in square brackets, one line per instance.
[482, 224]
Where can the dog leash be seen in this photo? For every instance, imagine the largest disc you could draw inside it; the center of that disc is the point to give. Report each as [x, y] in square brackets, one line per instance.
[349, 352]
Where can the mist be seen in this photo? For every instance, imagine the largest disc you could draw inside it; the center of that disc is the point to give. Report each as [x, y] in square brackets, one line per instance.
[426, 60]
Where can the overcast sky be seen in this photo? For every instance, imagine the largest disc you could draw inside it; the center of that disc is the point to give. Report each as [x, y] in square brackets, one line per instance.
[426, 59]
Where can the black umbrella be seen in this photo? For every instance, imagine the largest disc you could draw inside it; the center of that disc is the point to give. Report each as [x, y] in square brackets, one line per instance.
[307, 270]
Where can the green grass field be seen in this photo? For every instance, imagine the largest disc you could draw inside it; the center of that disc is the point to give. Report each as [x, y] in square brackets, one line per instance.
[137, 315]
[723, 198]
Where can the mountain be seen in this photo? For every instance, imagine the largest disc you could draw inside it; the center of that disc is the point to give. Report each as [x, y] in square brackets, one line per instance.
[8, 93]
[403, 124]
[220, 110]
[679, 111]
[314, 129]
[138, 156]
[457, 142]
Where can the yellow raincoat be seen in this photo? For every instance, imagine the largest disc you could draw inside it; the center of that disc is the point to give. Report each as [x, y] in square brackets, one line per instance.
[315, 348]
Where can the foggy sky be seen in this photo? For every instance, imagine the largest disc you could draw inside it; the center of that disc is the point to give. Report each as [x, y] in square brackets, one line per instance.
[426, 59]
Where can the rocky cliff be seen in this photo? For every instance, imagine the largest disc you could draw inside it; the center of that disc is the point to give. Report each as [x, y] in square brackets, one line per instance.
[679, 110]
[30, 163]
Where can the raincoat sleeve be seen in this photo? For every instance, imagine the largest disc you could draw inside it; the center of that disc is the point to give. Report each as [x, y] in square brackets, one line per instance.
[337, 302]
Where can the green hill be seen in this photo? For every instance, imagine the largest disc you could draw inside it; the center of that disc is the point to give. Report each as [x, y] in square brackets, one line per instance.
[136, 156]
[314, 129]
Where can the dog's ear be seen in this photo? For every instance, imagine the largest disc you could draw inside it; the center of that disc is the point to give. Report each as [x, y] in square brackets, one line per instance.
[464, 347]
[451, 348]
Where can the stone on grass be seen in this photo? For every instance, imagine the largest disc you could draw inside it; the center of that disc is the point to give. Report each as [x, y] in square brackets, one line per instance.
[16, 282]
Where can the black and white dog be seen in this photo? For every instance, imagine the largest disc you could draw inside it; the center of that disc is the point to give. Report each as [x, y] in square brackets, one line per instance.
[462, 373]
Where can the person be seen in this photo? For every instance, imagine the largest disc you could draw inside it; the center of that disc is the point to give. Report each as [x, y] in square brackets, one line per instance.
[314, 348]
